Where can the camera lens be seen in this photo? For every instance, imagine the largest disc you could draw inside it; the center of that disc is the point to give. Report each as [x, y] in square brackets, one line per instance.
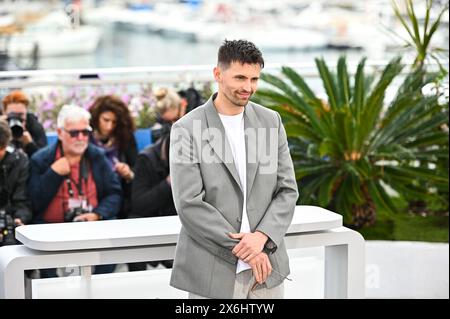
[17, 130]
[16, 125]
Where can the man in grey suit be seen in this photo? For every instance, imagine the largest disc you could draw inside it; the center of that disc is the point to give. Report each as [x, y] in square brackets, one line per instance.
[233, 186]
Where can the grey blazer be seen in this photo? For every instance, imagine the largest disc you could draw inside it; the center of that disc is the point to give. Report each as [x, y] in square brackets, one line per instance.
[208, 197]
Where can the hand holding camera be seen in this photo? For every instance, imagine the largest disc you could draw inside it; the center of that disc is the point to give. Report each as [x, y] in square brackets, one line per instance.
[80, 214]
[72, 214]
[26, 138]
[17, 124]
[86, 217]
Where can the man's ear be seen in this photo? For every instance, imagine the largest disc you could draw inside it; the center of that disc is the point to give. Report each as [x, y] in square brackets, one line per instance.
[59, 132]
[217, 73]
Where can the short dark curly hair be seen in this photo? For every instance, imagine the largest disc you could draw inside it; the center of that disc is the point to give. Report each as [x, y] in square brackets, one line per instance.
[123, 132]
[242, 51]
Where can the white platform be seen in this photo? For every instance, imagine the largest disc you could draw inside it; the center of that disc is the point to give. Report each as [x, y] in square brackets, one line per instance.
[143, 231]
[394, 269]
[79, 246]
[307, 269]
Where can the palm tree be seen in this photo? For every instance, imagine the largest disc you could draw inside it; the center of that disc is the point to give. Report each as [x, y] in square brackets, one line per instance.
[420, 35]
[354, 150]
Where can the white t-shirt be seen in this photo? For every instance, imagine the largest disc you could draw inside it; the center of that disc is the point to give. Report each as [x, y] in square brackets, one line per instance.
[234, 129]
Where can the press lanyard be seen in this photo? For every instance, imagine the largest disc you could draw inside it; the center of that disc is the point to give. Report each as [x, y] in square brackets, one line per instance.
[82, 176]
[79, 186]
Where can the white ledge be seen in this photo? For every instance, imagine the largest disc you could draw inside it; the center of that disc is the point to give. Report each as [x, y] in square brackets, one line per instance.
[144, 231]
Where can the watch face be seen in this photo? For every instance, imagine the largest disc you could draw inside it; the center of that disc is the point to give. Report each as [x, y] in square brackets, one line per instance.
[270, 245]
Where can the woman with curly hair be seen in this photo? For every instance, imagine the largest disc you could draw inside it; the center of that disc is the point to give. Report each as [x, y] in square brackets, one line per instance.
[113, 128]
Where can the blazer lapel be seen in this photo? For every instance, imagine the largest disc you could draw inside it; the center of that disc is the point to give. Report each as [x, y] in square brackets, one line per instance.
[222, 149]
[251, 125]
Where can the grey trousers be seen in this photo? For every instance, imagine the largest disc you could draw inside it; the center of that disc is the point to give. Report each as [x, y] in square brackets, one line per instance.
[242, 289]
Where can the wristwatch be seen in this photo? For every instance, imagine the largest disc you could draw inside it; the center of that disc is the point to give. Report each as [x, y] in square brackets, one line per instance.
[270, 247]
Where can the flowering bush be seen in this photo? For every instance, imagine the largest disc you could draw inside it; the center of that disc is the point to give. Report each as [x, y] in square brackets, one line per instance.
[139, 98]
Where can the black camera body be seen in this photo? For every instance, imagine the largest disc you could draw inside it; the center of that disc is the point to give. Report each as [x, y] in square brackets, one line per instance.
[15, 123]
[72, 213]
[7, 227]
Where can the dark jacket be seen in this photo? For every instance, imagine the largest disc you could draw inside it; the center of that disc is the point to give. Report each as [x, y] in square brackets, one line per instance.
[129, 157]
[14, 172]
[151, 194]
[37, 132]
[44, 182]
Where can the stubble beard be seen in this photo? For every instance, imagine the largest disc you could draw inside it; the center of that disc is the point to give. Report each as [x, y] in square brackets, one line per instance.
[236, 101]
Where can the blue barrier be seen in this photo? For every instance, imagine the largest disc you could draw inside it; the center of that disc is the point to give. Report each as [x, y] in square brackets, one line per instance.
[52, 137]
[143, 138]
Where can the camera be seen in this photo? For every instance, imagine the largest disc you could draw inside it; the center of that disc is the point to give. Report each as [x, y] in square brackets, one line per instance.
[70, 215]
[15, 123]
[7, 227]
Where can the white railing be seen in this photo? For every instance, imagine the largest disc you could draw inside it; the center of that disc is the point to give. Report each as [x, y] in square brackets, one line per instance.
[145, 239]
[152, 74]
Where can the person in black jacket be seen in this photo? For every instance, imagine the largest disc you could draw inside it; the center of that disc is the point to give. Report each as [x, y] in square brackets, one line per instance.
[151, 193]
[14, 172]
[28, 134]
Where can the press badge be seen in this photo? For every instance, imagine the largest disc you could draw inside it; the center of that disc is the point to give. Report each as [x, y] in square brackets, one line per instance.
[77, 202]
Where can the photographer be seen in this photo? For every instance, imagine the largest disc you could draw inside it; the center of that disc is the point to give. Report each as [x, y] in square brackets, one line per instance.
[14, 206]
[72, 180]
[28, 134]
[73, 174]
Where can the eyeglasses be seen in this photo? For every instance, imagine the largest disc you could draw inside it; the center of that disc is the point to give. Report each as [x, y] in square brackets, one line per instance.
[76, 133]
[274, 271]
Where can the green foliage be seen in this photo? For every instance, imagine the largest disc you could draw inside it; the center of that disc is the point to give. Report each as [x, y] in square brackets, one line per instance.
[410, 227]
[420, 35]
[146, 116]
[354, 150]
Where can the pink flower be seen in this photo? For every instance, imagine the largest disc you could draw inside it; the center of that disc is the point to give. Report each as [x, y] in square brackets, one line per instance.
[47, 105]
[126, 98]
[47, 124]
[53, 94]
[87, 105]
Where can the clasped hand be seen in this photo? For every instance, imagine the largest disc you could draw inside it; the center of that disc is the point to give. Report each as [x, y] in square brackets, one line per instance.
[249, 249]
